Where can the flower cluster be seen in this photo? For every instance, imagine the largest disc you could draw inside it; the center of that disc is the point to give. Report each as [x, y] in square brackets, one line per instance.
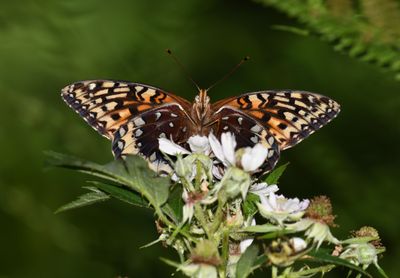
[222, 198]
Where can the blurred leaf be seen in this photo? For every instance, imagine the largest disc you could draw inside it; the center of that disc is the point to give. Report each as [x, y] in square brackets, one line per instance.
[274, 176]
[323, 255]
[121, 193]
[174, 206]
[245, 264]
[132, 172]
[86, 199]
[249, 205]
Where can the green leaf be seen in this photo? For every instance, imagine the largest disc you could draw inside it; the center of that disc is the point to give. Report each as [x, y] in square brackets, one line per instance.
[323, 255]
[245, 264]
[133, 172]
[174, 206]
[274, 176]
[121, 193]
[249, 205]
[85, 200]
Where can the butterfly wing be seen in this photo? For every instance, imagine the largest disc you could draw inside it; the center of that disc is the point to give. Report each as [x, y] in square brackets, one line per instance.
[107, 105]
[132, 115]
[289, 116]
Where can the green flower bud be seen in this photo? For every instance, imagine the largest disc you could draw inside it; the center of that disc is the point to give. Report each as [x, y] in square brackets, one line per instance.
[235, 182]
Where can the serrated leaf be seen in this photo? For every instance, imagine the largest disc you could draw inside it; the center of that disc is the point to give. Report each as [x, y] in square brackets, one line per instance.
[323, 255]
[132, 172]
[249, 205]
[244, 266]
[274, 176]
[85, 200]
[121, 193]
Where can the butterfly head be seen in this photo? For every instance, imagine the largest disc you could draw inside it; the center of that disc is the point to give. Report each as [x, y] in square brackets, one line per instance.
[201, 107]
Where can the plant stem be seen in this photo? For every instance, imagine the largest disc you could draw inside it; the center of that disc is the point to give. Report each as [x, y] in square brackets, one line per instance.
[219, 216]
[225, 249]
[199, 214]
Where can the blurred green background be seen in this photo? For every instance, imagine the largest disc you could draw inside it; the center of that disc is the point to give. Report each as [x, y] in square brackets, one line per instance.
[45, 45]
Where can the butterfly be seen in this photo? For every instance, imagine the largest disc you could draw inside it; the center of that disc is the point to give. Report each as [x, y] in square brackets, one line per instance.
[134, 116]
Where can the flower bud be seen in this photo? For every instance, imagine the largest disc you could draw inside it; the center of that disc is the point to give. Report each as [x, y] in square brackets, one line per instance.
[235, 182]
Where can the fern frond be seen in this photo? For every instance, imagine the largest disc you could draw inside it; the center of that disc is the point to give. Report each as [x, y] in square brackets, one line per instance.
[370, 33]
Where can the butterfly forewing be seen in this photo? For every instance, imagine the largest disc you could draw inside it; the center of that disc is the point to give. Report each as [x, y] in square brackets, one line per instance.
[107, 105]
[290, 116]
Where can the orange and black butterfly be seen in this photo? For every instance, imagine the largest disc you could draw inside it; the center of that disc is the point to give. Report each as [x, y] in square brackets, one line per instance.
[133, 116]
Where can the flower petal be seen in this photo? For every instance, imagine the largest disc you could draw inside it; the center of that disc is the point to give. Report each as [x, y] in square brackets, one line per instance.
[254, 157]
[169, 147]
[199, 144]
[228, 142]
[216, 147]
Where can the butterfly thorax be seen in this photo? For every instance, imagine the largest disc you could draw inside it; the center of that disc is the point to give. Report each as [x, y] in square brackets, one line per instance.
[201, 112]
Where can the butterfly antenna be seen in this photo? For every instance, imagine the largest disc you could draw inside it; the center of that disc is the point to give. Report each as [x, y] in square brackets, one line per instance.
[229, 73]
[183, 68]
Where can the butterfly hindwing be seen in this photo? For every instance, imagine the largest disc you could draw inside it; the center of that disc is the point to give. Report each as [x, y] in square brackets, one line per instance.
[106, 105]
[140, 135]
[290, 116]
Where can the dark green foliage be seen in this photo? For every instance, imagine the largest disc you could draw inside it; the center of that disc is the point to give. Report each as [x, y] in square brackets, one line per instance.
[370, 32]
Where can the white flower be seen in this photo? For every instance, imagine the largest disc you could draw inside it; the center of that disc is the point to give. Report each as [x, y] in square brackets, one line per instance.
[244, 244]
[169, 147]
[279, 209]
[188, 208]
[197, 144]
[263, 189]
[248, 159]
[315, 230]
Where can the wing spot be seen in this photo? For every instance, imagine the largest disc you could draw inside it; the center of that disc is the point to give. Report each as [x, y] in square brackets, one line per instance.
[92, 86]
[184, 129]
[122, 132]
[256, 128]
[270, 153]
[108, 84]
[254, 139]
[138, 132]
[115, 116]
[270, 140]
[120, 145]
[226, 127]
[139, 121]
[153, 157]
[225, 118]
[163, 135]
[139, 144]
[174, 115]
[171, 124]
[282, 126]
[240, 120]
[158, 115]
